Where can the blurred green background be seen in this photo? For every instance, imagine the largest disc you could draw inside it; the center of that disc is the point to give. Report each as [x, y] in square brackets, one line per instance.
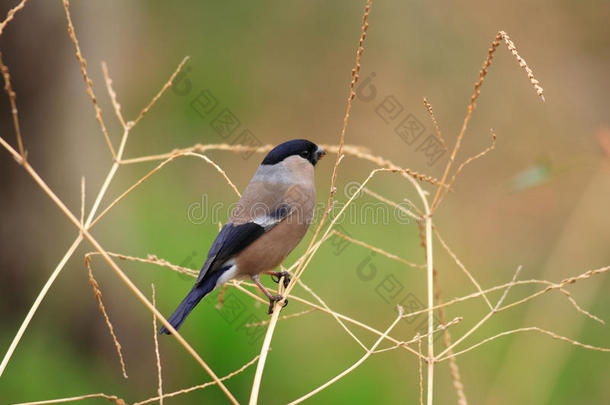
[283, 68]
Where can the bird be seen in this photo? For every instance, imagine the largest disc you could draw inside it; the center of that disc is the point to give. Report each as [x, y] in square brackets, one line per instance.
[267, 223]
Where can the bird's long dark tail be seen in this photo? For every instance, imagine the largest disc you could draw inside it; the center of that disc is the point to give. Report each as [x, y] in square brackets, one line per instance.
[196, 294]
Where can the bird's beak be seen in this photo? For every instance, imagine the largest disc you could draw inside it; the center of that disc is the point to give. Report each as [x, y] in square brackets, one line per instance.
[320, 153]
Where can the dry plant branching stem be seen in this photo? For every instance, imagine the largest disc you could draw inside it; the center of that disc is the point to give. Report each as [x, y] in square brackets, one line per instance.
[98, 296]
[14, 112]
[111, 398]
[116, 268]
[353, 366]
[477, 91]
[157, 354]
[88, 82]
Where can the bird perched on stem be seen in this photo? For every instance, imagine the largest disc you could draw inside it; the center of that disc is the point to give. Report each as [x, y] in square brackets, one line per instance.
[268, 222]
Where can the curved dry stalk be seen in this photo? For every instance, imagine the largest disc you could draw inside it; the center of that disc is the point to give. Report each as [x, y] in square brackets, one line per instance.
[378, 250]
[198, 387]
[111, 398]
[527, 329]
[485, 318]
[462, 267]
[155, 170]
[354, 366]
[11, 14]
[419, 337]
[394, 204]
[98, 296]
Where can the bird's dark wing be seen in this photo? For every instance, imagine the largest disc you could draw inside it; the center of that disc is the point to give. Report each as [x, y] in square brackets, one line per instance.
[232, 238]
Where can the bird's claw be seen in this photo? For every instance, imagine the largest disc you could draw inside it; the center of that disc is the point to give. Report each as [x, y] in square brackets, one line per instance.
[273, 300]
[278, 276]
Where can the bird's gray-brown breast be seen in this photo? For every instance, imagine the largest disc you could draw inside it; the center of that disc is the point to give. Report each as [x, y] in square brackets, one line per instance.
[287, 191]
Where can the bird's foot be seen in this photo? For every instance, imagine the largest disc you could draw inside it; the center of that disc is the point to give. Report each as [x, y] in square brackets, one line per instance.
[276, 276]
[272, 300]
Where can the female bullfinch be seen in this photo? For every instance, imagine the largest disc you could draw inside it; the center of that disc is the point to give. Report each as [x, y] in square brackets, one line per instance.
[267, 223]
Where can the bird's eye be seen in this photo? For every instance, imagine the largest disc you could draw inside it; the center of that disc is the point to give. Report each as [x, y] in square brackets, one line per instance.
[305, 154]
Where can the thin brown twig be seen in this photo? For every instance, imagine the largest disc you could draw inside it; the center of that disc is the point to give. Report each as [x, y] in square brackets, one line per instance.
[111, 398]
[467, 162]
[527, 329]
[396, 205]
[378, 250]
[295, 315]
[82, 200]
[11, 14]
[453, 366]
[420, 373]
[88, 82]
[461, 266]
[157, 355]
[98, 296]
[112, 94]
[353, 366]
[155, 170]
[12, 99]
[166, 86]
[198, 387]
[493, 311]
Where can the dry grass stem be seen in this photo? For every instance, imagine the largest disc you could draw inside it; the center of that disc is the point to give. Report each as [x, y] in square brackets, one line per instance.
[485, 318]
[111, 398]
[378, 250]
[157, 355]
[12, 99]
[453, 366]
[166, 86]
[528, 329]
[295, 315]
[82, 200]
[115, 104]
[420, 373]
[88, 82]
[98, 296]
[354, 366]
[395, 205]
[11, 14]
[437, 128]
[462, 267]
[198, 387]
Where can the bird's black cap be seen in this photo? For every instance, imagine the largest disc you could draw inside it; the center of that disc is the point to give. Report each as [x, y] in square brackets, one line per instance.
[297, 147]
